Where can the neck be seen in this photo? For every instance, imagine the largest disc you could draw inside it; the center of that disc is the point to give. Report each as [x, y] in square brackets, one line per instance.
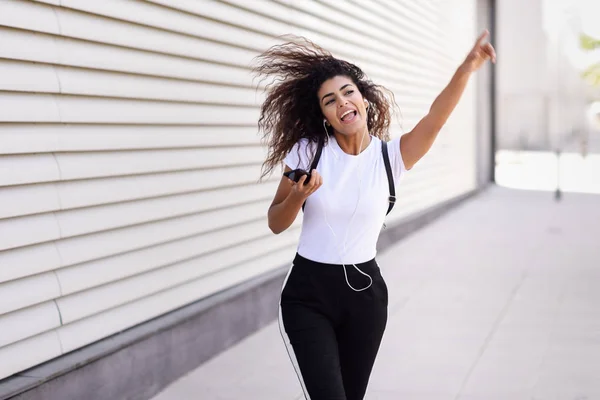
[353, 144]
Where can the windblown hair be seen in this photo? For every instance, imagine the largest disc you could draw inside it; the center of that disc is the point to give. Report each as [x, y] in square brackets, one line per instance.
[291, 110]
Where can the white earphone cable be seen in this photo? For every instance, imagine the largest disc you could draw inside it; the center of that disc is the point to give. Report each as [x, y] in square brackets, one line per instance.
[349, 223]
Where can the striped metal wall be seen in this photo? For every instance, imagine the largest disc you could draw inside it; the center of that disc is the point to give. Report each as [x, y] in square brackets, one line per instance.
[129, 153]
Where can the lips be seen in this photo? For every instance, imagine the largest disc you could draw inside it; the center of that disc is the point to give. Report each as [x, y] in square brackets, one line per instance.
[348, 116]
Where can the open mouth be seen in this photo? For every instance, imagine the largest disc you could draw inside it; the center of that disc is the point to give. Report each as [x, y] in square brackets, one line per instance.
[348, 117]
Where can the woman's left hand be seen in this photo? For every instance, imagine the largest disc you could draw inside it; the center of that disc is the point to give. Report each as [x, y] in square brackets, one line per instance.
[480, 53]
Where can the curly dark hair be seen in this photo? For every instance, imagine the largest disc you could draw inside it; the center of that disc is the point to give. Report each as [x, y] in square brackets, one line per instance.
[291, 109]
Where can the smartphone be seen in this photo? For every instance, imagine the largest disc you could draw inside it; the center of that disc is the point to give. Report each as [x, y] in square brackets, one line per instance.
[296, 174]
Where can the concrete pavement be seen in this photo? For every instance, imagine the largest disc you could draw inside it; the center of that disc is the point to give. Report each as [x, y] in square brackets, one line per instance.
[498, 299]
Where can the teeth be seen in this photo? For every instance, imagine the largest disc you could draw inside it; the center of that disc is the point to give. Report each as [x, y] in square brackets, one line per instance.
[346, 113]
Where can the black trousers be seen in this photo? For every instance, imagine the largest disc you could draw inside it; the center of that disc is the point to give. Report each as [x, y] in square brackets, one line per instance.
[332, 333]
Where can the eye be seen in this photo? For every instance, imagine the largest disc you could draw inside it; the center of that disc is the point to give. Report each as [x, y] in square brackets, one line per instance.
[349, 92]
[328, 102]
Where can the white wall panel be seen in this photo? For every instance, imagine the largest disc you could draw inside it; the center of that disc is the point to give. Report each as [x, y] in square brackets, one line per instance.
[30, 46]
[23, 45]
[93, 301]
[28, 291]
[28, 322]
[26, 261]
[29, 199]
[25, 14]
[110, 190]
[106, 30]
[84, 221]
[173, 21]
[102, 164]
[23, 107]
[88, 330]
[28, 77]
[24, 231]
[91, 247]
[25, 138]
[96, 83]
[129, 154]
[29, 352]
[103, 110]
[87, 275]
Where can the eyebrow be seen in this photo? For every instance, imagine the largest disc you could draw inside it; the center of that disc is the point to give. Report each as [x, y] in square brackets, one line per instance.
[331, 94]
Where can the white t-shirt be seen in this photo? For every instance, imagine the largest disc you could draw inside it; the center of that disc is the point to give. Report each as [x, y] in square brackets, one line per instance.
[334, 203]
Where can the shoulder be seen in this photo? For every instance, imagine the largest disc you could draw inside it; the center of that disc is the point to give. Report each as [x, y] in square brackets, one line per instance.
[393, 145]
[395, 157]
[300, 154]
[302, 144]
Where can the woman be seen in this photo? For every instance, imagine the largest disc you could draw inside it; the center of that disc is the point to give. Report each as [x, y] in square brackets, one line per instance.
[333, 308]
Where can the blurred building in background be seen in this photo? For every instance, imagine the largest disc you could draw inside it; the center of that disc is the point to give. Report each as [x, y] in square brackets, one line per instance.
[542, 98]
[133, 236]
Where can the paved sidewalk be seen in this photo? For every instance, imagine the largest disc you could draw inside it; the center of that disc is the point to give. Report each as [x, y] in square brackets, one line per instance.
[498, 299]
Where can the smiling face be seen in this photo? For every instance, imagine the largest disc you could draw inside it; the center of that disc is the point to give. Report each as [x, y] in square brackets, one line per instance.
[343, 105]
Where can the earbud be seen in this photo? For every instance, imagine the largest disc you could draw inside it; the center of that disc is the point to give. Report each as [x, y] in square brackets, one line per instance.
[325, 124]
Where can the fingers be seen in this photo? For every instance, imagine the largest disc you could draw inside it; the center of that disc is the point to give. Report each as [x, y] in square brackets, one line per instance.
[301, 180]
[311, 186]
[315, 181]
[489, 50]
[482, 38]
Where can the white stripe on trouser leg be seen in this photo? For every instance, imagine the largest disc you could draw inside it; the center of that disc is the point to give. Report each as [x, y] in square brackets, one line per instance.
[286, 341]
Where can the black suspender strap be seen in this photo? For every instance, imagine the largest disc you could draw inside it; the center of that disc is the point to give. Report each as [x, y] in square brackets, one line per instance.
[388, 171]
[315, 162]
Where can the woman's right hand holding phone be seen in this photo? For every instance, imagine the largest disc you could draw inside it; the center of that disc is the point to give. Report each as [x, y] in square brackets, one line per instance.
[302, 191]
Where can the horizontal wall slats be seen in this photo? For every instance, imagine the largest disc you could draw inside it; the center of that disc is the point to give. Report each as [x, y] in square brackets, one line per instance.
[28, 108]
[102, 164]
[364, 33]
[28, 291]
[86, 248]
[111, 190]
[49, 49]
[24, 14]
[344, 48]
[34, 199]
[171, 20]
[28, 352]
[92, 301]
[75, 81]
[28, 322]
[24, 231]
[25, 138]
[24, 200]
[107, 30]
[25, 261]
[65, 108]
[85, 221]
[90, 274]
[28, 77]
[88, 330]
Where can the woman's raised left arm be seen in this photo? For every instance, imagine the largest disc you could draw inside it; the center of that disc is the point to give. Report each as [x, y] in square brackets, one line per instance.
[416, 143]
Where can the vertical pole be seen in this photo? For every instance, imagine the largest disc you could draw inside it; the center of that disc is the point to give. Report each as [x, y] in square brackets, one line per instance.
[557, 193]
[493, 133]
